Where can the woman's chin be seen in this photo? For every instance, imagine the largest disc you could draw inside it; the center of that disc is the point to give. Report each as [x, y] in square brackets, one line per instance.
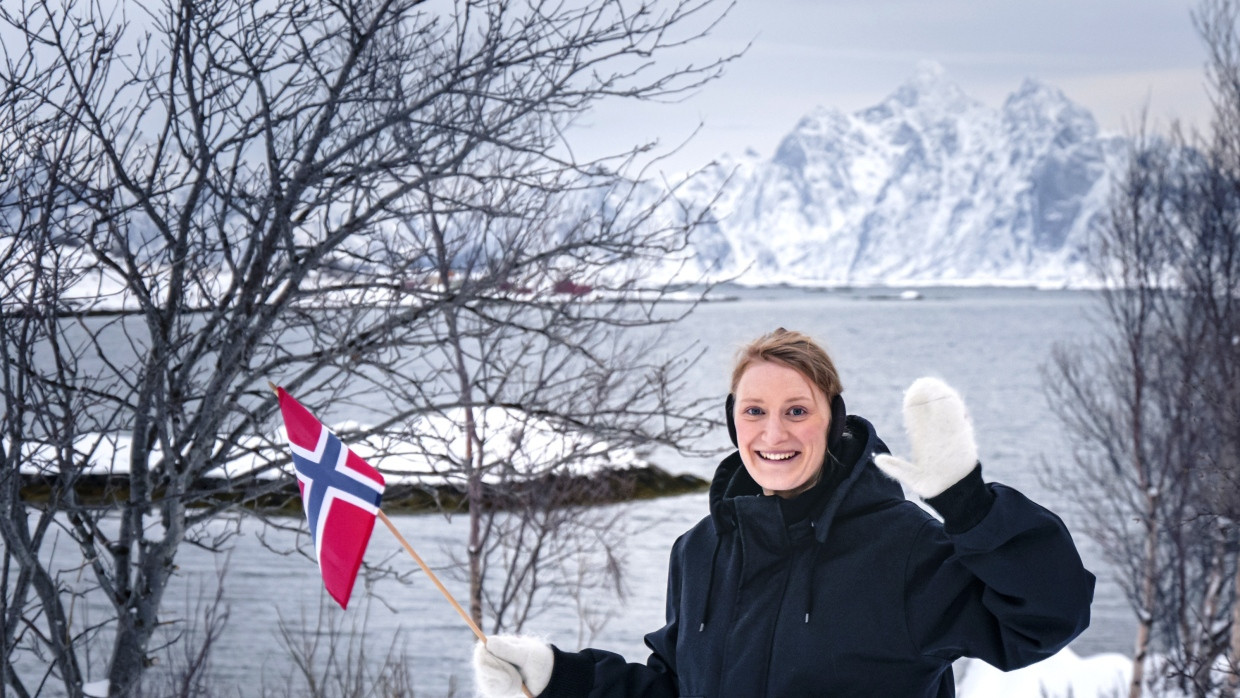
[783, 487]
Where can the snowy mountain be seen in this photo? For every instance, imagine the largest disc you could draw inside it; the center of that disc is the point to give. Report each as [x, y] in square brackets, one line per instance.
[928, 186]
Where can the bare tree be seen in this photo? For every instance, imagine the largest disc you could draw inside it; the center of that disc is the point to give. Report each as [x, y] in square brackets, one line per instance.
[1153, 406]
[1208, 273]
[1105, 397]
[199, 196]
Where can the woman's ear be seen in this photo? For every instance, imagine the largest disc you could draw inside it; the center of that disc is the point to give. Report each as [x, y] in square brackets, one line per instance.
[729, 406]
[836, 429]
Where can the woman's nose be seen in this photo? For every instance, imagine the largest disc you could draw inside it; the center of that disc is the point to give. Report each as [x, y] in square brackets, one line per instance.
[773, 430]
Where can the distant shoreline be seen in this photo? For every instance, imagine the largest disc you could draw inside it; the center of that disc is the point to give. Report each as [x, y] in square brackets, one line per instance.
[281, 497]
[725, 291]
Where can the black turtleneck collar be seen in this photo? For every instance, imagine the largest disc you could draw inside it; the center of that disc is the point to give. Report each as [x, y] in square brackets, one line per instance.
[811, 501]
[848, 450]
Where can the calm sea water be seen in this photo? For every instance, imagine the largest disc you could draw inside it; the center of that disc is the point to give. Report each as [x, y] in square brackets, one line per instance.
[991, 344]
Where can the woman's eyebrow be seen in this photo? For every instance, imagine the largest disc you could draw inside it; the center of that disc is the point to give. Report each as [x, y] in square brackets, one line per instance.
[758, 400]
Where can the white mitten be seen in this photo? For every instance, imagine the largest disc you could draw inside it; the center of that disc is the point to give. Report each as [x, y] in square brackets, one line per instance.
[506, 661]
[941, 436]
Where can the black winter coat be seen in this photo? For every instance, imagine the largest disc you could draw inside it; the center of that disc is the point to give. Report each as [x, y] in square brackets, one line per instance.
[867, 595]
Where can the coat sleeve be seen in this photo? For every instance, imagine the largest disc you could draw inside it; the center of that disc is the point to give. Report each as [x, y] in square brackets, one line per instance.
[601, 674]
[1011, 590]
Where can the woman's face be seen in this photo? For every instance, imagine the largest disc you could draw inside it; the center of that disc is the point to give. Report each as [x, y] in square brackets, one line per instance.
[781, 428]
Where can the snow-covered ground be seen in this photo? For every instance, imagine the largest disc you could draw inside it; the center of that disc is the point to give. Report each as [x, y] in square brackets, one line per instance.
[1064, 675]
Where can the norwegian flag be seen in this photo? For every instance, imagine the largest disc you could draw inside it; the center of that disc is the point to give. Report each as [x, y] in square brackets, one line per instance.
[340, 493]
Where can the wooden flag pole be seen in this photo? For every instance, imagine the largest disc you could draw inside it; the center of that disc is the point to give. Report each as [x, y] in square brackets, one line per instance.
[442, 589]
[438, 584]
[418, 559]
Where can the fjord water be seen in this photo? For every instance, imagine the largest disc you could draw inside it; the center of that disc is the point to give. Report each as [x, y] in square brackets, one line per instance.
[991, 344]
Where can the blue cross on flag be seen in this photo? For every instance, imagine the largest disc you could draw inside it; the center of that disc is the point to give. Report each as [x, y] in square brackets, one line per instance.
[340, 493]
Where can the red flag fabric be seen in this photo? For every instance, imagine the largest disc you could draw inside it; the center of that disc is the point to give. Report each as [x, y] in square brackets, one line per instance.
[340, 492]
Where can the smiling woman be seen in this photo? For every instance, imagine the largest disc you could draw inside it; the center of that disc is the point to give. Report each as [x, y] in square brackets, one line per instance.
[813, 575]
[780, 412]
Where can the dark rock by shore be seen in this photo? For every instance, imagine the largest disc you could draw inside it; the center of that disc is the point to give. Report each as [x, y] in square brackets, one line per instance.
[281, 497]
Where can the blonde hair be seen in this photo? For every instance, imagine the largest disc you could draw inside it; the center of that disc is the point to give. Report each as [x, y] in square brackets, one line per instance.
[796, 351]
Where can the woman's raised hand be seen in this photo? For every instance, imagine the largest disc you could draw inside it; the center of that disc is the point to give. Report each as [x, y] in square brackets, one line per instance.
[941, 436]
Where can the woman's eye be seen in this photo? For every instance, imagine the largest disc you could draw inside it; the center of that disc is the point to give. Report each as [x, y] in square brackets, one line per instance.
[753, 411]
[798, 412]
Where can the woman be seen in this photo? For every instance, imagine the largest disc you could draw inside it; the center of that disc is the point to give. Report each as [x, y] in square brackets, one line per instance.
[814, 576]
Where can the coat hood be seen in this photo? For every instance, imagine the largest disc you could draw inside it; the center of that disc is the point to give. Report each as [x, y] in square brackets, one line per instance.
[860, 487]
[767, 534]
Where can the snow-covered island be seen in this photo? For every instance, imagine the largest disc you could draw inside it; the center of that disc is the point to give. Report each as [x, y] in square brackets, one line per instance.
[424, 471]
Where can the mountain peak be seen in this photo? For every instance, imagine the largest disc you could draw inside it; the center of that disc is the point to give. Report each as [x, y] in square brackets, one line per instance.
[929, 71]
[1032, 88]
[1036, 102]
[820, 119]
[929, 88]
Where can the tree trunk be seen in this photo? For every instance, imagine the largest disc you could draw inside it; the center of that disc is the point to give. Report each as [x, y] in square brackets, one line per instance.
[1145, 616]
[475, 522]
[1233, 650]
[155, 564]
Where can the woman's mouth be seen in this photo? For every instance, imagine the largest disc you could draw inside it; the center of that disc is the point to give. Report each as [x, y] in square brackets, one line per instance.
[777, 455]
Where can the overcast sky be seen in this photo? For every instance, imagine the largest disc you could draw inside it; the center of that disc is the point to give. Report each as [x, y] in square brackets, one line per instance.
[1112, 56]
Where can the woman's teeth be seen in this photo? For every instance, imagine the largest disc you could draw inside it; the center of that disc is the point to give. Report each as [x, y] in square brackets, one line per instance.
[785, 455]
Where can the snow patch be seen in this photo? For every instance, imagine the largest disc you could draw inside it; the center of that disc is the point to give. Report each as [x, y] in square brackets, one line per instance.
[1063, 675]
[515, 445]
